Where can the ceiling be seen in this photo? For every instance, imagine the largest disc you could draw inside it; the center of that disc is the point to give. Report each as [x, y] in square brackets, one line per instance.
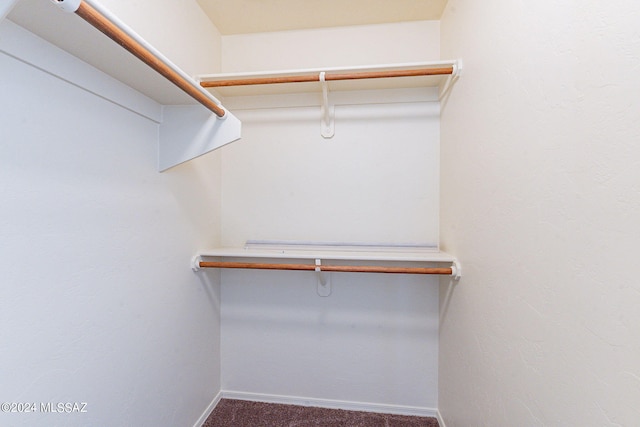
[253, 16]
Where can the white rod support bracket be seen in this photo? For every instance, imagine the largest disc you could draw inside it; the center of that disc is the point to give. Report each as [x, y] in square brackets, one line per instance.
[456, 270]
[324, 280]
[195, 263]
[69, 6]
[457, 68]
[448, 84]
[327, 127]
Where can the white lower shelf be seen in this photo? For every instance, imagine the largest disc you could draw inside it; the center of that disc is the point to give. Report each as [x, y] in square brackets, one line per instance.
[314, 256]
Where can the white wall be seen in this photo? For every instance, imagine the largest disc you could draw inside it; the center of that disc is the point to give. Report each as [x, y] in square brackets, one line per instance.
[374, 340]
[375, 181]
[372, 343]
[178, 29]
[332, 47]
[98, 303]
[541, 200]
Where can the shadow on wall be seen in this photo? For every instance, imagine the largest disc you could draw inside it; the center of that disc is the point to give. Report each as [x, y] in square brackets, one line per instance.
[195, 186]
[447, 286]
[210, 279]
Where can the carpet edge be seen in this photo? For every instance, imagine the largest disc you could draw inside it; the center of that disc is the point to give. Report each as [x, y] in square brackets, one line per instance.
[332, 404]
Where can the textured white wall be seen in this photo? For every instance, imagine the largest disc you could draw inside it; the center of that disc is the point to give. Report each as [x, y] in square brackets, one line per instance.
[375, 181]
[374, 340]
[98, 303]
[332, 47]
[541, 201]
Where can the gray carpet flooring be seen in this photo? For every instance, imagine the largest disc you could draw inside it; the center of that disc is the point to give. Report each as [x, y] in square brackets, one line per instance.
[241, 413]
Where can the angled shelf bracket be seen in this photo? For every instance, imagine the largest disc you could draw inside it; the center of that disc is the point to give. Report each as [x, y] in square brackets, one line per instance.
[445, 88]
[189, 131]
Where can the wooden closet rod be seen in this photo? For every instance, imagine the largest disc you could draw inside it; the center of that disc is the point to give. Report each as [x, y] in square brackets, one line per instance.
[303, 78]
[339, 268]
[99, 21]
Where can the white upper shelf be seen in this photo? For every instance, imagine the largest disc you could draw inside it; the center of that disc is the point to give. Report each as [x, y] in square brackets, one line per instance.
[347, 84]
[73, 35]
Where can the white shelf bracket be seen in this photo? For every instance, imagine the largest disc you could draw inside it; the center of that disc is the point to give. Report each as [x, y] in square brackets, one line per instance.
[195, 263]
[324, 280]
[327, 127]
[456, 270]
[189, 131]
[448, 84]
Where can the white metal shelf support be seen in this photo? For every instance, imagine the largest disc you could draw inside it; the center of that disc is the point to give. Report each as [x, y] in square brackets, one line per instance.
[453, 77]
[456, 270]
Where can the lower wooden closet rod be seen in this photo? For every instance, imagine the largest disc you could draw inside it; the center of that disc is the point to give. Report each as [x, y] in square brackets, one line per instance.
[340, 268]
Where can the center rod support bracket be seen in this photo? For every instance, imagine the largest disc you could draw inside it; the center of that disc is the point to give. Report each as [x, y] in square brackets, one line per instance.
[324, 280]
[327, 126]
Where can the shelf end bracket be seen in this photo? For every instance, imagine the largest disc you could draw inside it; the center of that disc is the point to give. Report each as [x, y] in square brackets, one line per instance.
[453, 77]
[456, 270]
[195, 263]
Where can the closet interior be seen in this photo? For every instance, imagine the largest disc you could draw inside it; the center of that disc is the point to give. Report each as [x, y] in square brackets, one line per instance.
[361, 202]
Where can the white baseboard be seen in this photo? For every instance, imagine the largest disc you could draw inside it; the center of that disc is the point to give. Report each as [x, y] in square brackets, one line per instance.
[333, 404]
[440, 419]
[209, 410]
